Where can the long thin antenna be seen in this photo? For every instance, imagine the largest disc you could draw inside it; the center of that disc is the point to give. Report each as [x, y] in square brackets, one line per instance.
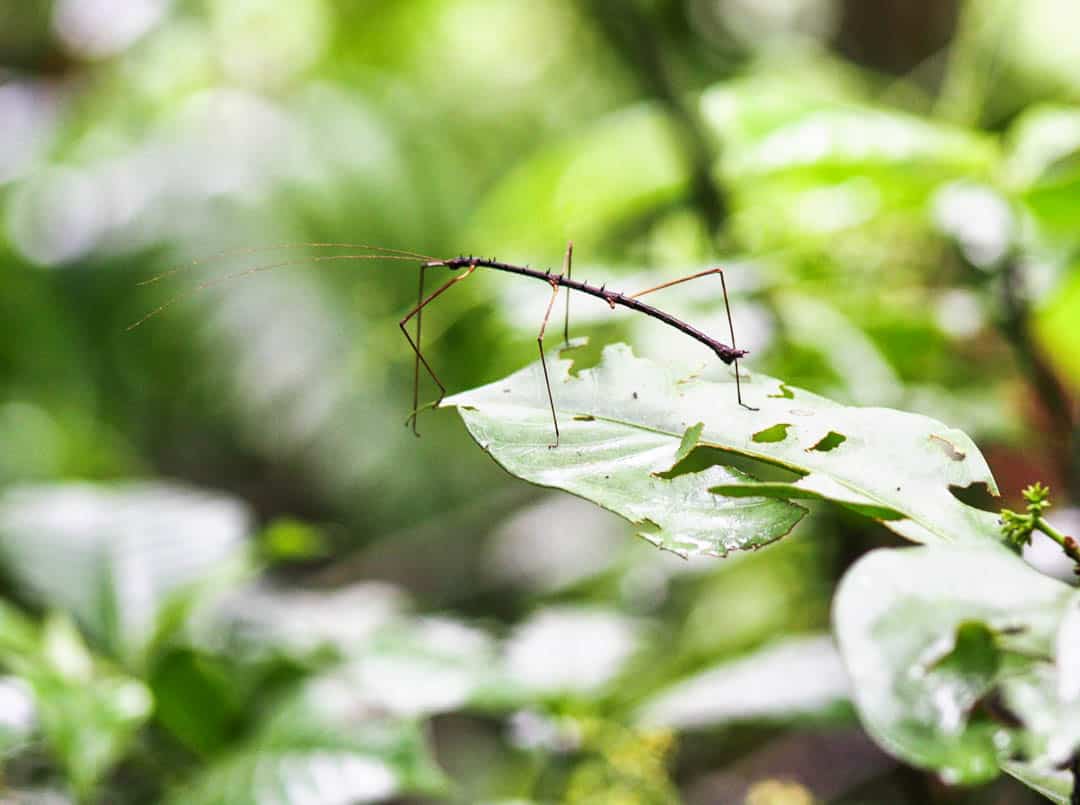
[250, 250]
[212, 283]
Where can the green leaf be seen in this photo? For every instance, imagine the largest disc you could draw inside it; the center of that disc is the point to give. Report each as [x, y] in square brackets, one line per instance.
[1055, 325]
[839, 140]
[624, 421]
[1054, 784]
[423, 666]
[1040, 140]
[118, 557]
[800, 676]
[948, 647]
[197, 698]
[320, 746]
[1044, 168]
[624, 166]
[89, 713]
[614, 448]
[17, 715]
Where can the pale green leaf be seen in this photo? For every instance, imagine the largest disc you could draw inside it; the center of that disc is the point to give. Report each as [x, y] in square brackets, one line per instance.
[800, 676]
[616, 440]
[1054, 784]
[624, 166]
[865, 138]
[624, 421]
[118, 557]
[1040, 140]
[88, 713]
[320, 746]
[929, 634]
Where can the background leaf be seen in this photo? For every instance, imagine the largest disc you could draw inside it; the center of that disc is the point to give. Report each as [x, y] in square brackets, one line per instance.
[118, 556]
[930, 634]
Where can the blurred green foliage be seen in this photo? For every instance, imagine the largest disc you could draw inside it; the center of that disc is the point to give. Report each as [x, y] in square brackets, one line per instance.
[895, 195]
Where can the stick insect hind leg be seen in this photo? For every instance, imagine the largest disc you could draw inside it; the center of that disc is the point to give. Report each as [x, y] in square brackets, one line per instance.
[543, 360]
[727, 307]
[420, 359]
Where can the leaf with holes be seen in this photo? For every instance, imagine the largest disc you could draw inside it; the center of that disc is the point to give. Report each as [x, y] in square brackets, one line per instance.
[612, 453]
[963, 659]
[650, 442]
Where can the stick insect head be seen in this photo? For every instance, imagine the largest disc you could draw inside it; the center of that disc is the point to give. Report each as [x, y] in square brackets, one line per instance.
[454, 263]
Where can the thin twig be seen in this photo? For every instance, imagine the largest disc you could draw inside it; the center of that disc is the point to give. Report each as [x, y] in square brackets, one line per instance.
[1067, 543]
[1015, 325]
[632, 36]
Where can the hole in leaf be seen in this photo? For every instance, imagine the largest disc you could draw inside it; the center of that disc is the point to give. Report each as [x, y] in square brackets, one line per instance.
[974, 652]
[777, 433]
[785, 393]
[704, 456]
[583, 353]
[689, 441]
[830, 441]
[948, 447]
[978, 496]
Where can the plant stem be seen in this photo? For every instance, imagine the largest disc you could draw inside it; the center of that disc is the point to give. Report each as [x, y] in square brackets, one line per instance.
[1015, 326]
[634, 39]
[1067, 543]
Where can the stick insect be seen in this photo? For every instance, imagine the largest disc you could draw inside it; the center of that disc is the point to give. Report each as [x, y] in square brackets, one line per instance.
[464, 267]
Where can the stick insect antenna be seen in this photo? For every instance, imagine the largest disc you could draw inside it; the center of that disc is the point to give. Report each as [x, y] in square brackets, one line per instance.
[213, 283]
[250, 250]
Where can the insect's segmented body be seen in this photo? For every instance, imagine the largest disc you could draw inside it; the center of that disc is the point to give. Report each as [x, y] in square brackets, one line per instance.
[724, 352]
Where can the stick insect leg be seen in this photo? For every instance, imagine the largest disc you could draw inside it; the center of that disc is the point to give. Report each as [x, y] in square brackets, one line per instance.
[727, 307]
[416, 360]
[416, 347]
[543, 360]
[566, 271]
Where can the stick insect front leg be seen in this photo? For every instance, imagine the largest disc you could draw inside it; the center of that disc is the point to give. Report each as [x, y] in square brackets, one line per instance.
[727, 307]
[420, 359]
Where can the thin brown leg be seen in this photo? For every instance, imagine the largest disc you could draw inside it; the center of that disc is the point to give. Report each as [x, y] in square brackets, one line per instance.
[416, 360]
[731, 329]
[566, 271]
[727, 307]
[543, 361]
[416, 347]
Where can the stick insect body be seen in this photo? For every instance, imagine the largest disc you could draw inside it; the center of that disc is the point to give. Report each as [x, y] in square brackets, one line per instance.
[729, 354]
